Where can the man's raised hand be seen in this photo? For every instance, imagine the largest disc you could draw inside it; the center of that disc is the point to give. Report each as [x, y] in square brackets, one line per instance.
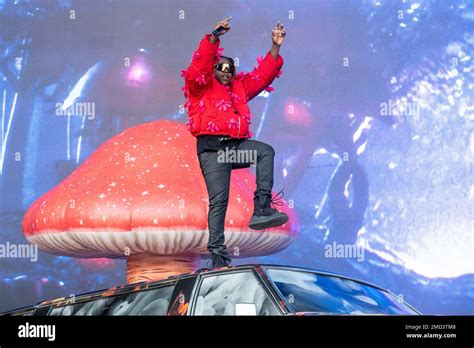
[225, 24]
[278, 34]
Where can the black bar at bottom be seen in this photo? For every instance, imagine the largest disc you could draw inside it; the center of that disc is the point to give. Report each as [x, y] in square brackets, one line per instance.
[140, 331]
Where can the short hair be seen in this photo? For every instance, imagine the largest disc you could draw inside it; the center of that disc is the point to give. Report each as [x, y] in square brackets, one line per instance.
[229, 59]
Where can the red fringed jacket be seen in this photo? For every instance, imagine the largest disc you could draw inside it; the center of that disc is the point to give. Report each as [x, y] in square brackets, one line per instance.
[222, 110]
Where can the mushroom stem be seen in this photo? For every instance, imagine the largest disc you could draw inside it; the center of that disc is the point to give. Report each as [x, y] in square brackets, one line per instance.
[148, 267]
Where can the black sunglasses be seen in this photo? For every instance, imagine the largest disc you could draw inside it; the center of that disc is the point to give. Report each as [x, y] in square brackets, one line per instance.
[225, 67]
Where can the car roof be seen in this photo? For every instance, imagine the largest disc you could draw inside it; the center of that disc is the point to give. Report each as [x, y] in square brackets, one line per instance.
[294, 268]
[163, 282]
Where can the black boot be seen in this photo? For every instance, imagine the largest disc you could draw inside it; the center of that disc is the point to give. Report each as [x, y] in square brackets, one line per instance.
[220, 259]
[265, 216]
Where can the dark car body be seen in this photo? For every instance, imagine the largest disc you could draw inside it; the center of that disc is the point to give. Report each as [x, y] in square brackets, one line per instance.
[238, 290]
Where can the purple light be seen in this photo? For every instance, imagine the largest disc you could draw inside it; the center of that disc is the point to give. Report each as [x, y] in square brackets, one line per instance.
[137, 73]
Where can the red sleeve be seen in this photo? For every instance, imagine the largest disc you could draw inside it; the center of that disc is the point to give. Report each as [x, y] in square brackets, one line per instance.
[198, 76]
[262, 76]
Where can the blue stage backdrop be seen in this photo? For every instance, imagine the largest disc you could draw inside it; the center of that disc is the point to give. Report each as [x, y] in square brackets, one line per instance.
[371, 121]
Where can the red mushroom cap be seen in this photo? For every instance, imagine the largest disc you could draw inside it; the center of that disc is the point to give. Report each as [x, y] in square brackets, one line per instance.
[142, 191]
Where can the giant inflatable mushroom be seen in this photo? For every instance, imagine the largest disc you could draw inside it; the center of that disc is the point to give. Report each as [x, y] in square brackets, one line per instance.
[141, 196]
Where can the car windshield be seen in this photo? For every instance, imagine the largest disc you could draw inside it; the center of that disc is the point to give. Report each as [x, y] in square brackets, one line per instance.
[305, 291]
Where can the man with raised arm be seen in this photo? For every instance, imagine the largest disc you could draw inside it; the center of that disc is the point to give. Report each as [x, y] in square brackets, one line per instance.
[219, 117]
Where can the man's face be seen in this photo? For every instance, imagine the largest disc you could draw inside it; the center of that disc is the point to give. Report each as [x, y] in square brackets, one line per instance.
[224, 77]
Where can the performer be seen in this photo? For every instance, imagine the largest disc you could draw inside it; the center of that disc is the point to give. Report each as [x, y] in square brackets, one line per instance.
[219, 117]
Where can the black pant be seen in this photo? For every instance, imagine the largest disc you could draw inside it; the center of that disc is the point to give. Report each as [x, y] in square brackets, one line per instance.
[216, 169]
